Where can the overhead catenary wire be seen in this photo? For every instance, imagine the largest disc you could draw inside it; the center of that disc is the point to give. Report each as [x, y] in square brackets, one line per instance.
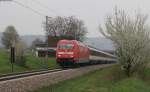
[29, 8]
[44, 6]
[35, 11]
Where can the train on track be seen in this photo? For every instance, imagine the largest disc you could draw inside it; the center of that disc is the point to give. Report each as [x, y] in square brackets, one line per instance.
[73, 52]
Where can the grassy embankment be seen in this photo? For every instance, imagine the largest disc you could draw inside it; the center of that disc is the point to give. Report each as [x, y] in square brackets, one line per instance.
[32, 63]
[100, 81]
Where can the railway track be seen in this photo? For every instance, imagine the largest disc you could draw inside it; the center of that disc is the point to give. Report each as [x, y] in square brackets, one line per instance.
[11, 76]
[27, 74]
[24, 82]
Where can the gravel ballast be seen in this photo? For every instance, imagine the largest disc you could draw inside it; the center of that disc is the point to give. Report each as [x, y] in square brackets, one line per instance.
[37, 81]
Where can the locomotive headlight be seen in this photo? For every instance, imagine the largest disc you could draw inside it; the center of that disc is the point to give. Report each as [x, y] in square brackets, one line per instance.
[59, 55]
[70, 53]
[71, 56]
[60, 52]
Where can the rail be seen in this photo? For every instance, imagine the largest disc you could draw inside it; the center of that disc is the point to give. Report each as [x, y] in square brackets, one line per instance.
[27, 74]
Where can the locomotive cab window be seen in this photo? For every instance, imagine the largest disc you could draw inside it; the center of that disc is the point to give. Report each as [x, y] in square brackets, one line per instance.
[65, 46]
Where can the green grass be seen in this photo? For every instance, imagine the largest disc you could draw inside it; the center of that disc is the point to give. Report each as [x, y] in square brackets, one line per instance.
[98, 81]
[32, 63]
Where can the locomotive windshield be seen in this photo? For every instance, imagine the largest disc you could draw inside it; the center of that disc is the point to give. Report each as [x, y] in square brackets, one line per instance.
[65, 46]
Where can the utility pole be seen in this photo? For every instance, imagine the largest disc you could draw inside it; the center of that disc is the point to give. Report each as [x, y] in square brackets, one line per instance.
[47, 37]
[46, 40]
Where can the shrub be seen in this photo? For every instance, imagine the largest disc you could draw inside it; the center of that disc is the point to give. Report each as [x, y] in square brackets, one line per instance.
[131, 39]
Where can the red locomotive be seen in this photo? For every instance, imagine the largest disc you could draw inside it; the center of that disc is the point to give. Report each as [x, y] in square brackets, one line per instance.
[71, 52]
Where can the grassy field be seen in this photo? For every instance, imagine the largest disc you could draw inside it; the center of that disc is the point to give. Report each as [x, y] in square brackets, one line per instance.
[32, 63]
[98, 81]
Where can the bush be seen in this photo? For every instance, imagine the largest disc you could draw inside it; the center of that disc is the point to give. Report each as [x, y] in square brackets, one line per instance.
[131, 39]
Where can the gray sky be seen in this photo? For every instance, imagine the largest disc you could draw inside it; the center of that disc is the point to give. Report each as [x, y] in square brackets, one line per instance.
[92, 12]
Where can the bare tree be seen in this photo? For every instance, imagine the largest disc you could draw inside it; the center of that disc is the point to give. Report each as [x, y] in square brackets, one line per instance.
[66, 26]
[131, 38]
[82, 30]
[76, 28]
[10, 37]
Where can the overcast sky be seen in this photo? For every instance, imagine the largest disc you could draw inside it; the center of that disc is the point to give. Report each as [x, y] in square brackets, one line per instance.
[92, 12]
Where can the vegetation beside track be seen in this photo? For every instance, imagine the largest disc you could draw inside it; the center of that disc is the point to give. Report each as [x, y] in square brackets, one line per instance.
[32, 63]
[100, 81]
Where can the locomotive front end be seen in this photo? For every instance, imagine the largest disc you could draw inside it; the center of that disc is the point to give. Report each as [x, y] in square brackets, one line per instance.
[65, 53]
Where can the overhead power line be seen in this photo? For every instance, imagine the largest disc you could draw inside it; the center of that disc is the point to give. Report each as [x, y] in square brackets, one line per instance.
[29, 8]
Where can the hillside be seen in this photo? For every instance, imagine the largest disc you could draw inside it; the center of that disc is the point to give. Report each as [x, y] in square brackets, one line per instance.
[26, 38]
[100, 43]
